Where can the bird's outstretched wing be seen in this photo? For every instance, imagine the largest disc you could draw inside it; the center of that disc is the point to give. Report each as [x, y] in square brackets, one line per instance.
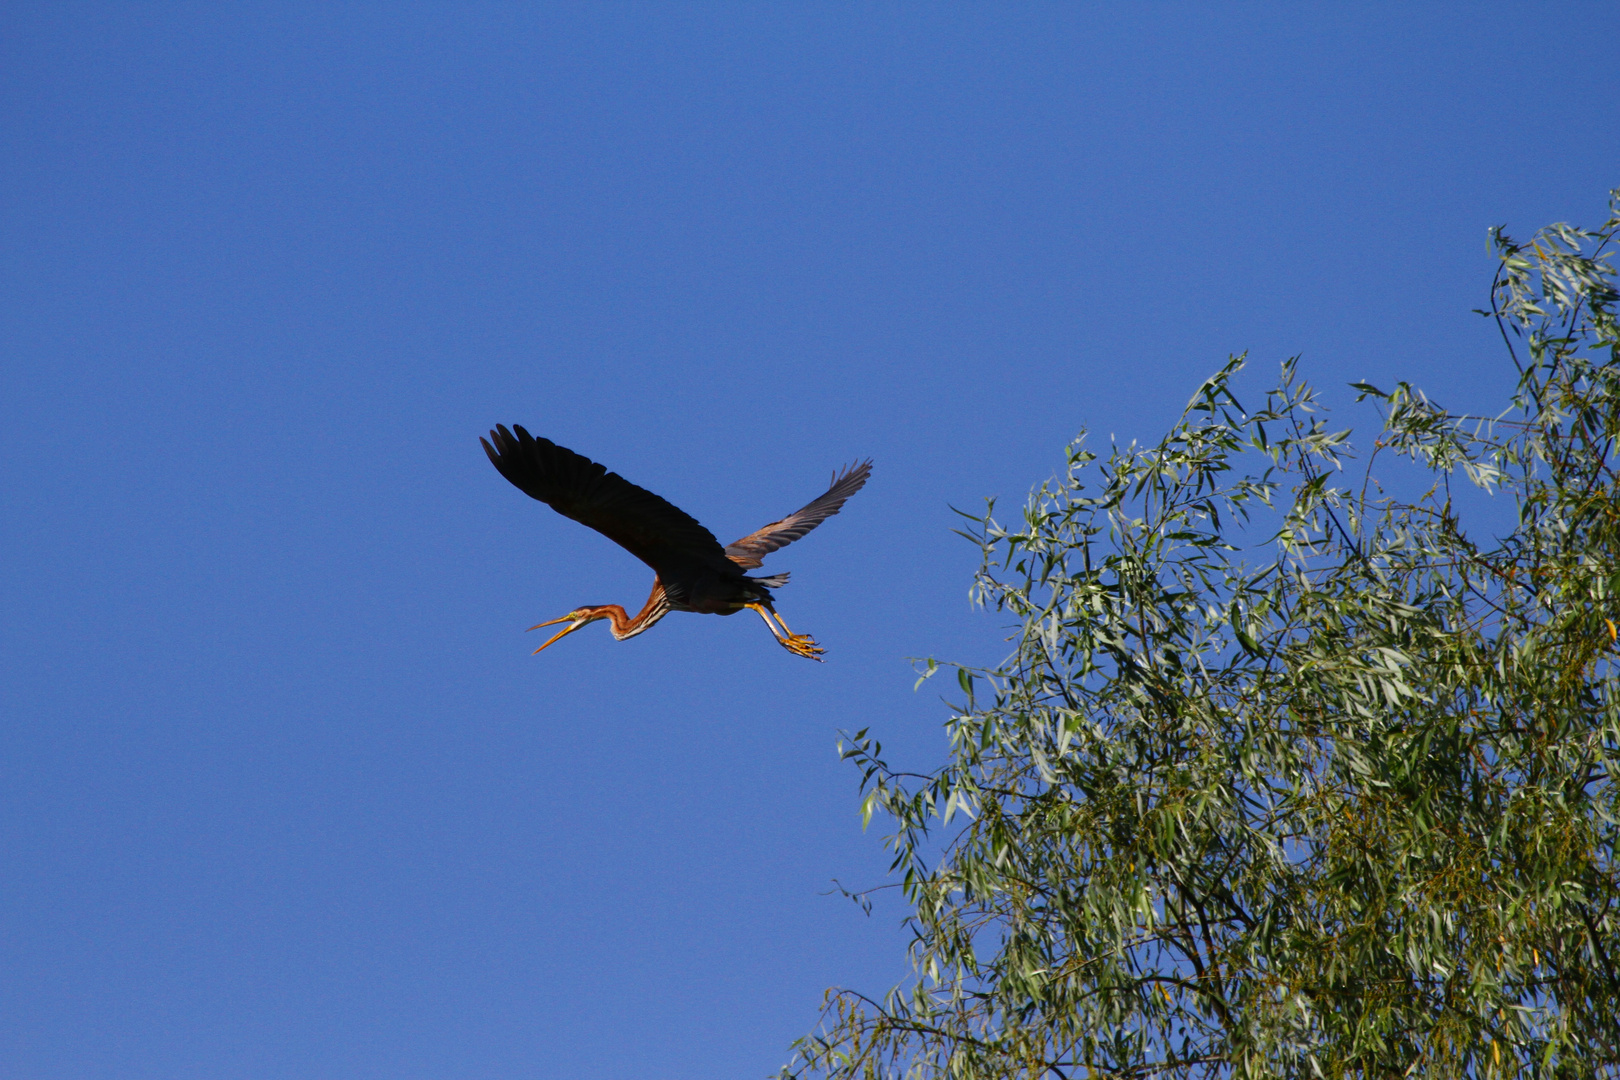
[652, 529]
[751, 549]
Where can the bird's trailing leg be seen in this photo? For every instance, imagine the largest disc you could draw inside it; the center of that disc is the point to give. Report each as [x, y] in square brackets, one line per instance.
[787, 634]
[797, 644]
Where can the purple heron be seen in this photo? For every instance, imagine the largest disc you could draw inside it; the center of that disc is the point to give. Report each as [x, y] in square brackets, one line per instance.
[694, 573]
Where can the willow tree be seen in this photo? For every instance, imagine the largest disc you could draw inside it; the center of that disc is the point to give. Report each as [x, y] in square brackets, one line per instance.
[1290, 773]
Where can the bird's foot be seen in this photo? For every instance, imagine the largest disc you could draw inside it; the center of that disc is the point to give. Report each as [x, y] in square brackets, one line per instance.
[802, 645]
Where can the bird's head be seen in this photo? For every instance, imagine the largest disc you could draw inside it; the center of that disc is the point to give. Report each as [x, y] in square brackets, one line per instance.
[575, 619]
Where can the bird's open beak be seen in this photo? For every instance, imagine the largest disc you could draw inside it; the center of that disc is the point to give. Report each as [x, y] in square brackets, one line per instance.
[574, 621]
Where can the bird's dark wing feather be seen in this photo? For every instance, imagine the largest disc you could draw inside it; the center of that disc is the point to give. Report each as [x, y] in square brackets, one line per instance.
[752, 549]
[652, 529]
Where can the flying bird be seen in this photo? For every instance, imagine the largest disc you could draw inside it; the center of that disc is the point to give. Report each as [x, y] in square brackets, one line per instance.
[694, 573]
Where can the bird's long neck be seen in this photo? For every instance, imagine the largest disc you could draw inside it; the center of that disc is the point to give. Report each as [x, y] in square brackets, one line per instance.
[656, 607]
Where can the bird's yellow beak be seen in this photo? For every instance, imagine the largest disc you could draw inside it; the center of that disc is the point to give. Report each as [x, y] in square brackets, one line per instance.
[574, 620]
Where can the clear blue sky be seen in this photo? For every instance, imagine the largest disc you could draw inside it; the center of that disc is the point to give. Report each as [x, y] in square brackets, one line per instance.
[283, 794]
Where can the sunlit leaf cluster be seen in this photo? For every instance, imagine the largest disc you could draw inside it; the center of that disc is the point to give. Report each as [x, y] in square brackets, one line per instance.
[1306, 761]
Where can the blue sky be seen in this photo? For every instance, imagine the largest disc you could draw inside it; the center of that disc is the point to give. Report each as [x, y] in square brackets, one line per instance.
[283, 794]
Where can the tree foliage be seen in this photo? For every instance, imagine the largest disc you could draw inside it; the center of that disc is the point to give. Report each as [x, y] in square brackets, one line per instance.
[1289, 773]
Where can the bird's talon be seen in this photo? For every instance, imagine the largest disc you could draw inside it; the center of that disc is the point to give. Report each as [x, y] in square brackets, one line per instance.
[803, 645]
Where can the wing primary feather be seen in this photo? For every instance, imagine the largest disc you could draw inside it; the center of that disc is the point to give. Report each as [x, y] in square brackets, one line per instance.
[751, 550]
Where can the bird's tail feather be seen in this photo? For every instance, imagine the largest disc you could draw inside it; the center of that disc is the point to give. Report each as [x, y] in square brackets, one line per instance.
[775, 581]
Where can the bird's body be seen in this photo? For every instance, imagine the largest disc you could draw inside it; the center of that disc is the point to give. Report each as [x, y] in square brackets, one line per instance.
[694, 572]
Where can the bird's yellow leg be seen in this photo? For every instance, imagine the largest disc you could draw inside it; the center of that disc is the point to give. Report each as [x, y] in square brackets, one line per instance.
[765, 614]
[806, 639]
[797, 644]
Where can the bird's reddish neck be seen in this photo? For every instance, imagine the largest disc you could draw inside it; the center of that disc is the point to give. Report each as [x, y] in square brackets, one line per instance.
[623, 626]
